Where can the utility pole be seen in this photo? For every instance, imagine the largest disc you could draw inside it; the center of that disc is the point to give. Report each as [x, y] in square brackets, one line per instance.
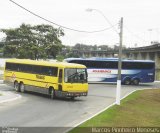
[118, 91]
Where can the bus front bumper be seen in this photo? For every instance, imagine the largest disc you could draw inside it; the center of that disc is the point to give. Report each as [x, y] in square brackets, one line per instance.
[70, 94]
[75, 94]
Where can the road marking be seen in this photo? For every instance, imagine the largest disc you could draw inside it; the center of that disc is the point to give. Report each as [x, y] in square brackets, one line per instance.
[11, 99]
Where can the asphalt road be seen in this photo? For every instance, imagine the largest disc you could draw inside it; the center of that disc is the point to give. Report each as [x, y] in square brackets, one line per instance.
[34, 110]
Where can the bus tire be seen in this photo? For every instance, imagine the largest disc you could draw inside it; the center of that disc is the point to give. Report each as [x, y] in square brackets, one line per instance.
[127, 81]
[16, 86]
[22, 87]
[52, 93]
[135, 82]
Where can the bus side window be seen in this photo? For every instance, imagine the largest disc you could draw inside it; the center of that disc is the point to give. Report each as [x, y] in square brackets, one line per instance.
[36, 69]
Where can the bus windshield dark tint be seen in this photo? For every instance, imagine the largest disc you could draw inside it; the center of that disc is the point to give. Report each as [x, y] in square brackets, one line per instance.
[138, 65]
[114, 64]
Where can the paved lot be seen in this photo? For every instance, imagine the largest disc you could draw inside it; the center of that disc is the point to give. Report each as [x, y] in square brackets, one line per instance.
[34, 110]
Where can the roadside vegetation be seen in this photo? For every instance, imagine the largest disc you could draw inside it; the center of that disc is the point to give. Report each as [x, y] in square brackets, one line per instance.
[140, 109]
[32, 42]
[42, 42]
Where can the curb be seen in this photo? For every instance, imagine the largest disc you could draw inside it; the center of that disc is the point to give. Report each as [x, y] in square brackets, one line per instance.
[157, 81]
[10, 99]
[1, 81]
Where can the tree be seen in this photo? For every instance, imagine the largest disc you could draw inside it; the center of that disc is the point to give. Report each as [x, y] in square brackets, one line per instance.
[34, 42]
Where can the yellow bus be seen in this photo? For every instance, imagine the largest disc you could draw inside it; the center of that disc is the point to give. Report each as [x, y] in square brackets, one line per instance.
[52, 78]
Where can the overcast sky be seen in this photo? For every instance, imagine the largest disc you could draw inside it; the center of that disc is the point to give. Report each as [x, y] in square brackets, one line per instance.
[141, 19]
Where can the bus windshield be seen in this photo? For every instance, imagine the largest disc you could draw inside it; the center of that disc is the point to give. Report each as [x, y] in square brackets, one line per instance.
[75, 75]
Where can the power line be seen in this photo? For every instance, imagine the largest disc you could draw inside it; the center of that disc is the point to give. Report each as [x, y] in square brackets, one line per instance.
[68, 28]
[107, 20]
[135, 34]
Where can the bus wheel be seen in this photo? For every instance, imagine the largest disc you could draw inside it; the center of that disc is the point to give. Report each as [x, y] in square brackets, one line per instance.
[135, 82]
[22, 88]
[52, 93]
[16, 86]
[127, 81]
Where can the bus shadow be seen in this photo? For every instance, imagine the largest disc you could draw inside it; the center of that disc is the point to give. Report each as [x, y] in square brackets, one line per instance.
[67, 99]
[114, 84]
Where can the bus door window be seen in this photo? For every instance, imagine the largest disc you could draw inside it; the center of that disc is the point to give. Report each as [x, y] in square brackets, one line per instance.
[60, 76]
[60, 79]
[81, 76]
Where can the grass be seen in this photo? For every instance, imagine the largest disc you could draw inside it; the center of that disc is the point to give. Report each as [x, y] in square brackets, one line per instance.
[140, 109]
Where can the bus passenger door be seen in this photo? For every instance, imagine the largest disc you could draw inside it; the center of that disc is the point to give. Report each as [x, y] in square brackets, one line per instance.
[60, 77]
